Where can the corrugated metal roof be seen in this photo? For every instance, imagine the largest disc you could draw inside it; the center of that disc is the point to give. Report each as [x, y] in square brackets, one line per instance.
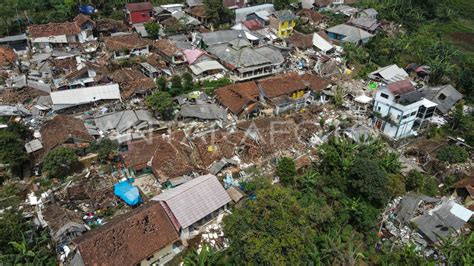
[353, 34]
[195, 199]
[241, 13]
[391, 73]
[321, 43]
[445, 96]
[201, 67]
[68, 98]
[34, 145]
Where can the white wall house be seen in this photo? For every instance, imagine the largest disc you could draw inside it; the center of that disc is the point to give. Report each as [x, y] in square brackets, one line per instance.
[397, 113]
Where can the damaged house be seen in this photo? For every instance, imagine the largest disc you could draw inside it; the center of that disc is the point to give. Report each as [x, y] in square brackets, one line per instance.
[67, 99]
[143, 236]
[169, 52]
[290, 91]
[193, 203]
[166, 156]
[58, 35]
[126, 45]
[123, 121]
[241, 98]
[62, 130]
[133, 83]
[247, 62]
[201, 64]
[445, 96]
[347, 33]
[399, 108]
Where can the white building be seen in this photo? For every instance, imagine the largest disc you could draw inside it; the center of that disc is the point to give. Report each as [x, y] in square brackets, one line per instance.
[400, 109]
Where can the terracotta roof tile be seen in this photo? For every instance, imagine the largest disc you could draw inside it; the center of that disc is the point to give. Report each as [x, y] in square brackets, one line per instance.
[81, 19]
[128, 239]
[59, 130]
[314, 16]
[300, 40]
[168, 156]
[53, 29]
[132, 82]
[237, 96]
[401, 87]
[122, 42]
[7, 56]
[167, 47]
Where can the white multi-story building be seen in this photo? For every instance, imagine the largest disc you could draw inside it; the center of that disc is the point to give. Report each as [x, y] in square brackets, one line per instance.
[400, 109]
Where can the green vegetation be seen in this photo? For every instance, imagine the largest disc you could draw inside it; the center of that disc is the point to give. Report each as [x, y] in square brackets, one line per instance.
[60, 162]
[207, 256]
[15, 249]
[452, 154]
[161, 102]
[327, 215]
[153, 29]
[286, 170]
[12, 153]
[435, 32]
[217, 13]
[420, 183]
[105, 148]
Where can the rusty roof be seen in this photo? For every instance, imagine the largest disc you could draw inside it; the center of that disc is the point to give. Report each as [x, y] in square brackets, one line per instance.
[128, 239]
[53, 29]
[124, 42]
[237, 96]
[143, 6]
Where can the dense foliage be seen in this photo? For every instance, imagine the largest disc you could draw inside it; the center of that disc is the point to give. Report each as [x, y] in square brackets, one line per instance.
[161, 102]
[60, 162]
[12, 141]
[327, 215]
[452, 154]
[15, 249]
[105, 148]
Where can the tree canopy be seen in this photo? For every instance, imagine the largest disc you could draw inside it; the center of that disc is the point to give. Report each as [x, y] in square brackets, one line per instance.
[161, 102]
[60, 162]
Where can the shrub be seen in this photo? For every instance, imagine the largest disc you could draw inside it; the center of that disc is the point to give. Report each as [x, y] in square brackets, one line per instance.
[60, 162]
[452, 154]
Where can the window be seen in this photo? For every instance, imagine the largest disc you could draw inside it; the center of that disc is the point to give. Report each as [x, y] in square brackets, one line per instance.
[442, 97]
[378, 108]
[413, 113]
[383, 95]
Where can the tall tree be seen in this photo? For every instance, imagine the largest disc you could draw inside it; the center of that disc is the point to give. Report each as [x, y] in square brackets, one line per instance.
[274, 229]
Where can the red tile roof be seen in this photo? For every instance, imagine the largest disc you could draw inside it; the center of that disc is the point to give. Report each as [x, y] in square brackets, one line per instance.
[143, 6]
[53, 29]
[252, 24]
[401, 87]
[237, 96]
[121, 42]
[281, 85]
[198, 11]
[128, 239]
[312, 15]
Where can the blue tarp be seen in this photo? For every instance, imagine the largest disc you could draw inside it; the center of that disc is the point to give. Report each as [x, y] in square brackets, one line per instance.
[88, 10]
[127, 193]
